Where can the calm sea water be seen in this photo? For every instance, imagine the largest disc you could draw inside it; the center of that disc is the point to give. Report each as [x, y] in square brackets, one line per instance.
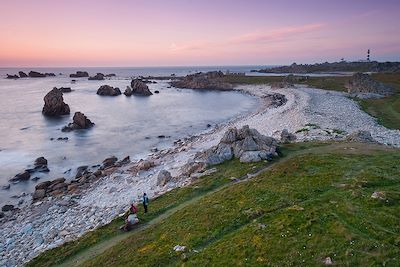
[124, 126]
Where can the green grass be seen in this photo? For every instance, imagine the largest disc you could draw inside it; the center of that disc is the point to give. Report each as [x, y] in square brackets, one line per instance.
[302, 210]
[157, 206]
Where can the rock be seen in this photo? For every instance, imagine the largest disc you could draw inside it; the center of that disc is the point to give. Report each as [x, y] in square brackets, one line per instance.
[80, 121]
[140, 88]
[378, 195]
[124, 161]
[6, 187]
[97, 77]
[128, 91]
[106, 90]
[360, 136]
[35, 179]
[24, 176]
[49, 74]
[108, 162]
[65, 89]
[41, 161]
[80, 171]
[287, 137]
[63, 233]
[163, 177]
[246, 144]
[193, 167]
[145, 165]
[112, 190]
[58, 186]
[327, 261]
[12, 76]
[2, 215]
[361, 83]
[23, 74]
[79, 74]
[179, 248]
[35, 74]
[7, 207]
[214, 80]
[54, 104]
[38, 194]
[156, 92]
[110, 75]
[43, 185]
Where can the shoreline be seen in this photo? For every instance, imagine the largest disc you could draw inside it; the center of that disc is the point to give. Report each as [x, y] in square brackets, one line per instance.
[48, 224]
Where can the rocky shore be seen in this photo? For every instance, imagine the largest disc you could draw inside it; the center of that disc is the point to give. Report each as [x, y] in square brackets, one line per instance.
[305, 113]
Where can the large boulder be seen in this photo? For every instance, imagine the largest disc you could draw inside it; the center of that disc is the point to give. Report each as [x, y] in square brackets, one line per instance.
[23, 74]
[163, 177]
[106, 90]
[97, 77]
[54, 104]
[360, 136]
[35, 74]
[80, 121]
[214, 80]
[246, 144]
[364, 86]
[128, 91]
[79, 74]
[287, 137]
[140, 88]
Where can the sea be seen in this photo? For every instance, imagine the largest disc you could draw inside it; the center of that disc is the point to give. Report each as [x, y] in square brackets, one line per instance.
[124, 126]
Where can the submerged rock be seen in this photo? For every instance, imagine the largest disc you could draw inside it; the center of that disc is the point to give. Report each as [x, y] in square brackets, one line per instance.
[97, 77]
[80, 121]
[54, 104]
[79, 74]
[140, 88]
[106, 90]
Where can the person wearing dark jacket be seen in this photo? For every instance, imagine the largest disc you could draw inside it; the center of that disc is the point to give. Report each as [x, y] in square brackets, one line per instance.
[145, 201]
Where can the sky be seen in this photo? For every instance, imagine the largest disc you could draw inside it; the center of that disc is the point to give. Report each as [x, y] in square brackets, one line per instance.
[129, 33]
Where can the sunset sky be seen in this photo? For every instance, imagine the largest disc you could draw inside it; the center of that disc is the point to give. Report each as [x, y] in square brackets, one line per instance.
[203, 32]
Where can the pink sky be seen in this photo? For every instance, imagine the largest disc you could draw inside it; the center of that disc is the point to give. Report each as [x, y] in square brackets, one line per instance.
[186, 32]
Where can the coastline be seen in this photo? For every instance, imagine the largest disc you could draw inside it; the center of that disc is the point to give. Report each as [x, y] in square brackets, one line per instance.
[48, 224]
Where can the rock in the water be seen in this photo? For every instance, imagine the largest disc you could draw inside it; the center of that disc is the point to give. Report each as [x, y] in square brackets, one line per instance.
[41, 161]
[97, 77]
[7, 208]
[65, 89]
[108, 162]
[107, 90]
[156, 92]
[163, 177]
[80, 121]
[80, 171]
[24, 176]
[23, 74]
[360, 136]
[35, 74]
[246, 144]
[54, 104]
[12, 76]
[140, 88]
[287, 137]
[6, 187]
[79, 74]
[128, 91]
[213, 80]
[363, 86]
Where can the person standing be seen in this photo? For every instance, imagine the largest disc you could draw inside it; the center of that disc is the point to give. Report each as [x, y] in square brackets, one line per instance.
[145, 201]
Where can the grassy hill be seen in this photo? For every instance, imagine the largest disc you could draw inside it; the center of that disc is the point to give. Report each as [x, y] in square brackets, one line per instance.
[313, 203]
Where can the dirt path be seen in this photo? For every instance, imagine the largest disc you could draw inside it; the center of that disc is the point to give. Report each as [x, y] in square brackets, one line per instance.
[102, 246]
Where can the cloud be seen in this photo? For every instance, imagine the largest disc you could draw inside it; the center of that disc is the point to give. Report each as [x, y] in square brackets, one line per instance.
[254, 38]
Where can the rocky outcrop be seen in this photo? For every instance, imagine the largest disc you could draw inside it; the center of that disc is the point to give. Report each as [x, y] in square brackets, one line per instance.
[106, 90]
[213, 80]
[287, 137]
[23, 74]
[24, 176]
[360, 136]
[80, 121]
[97, 77]
[54, 104]
[140, 88]
[128, 91]
[35, 74]
[12, 76]
[246, 144]
[275, 100]
[363, 86]
[79, 74]
[163, 177]
[40, 165]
